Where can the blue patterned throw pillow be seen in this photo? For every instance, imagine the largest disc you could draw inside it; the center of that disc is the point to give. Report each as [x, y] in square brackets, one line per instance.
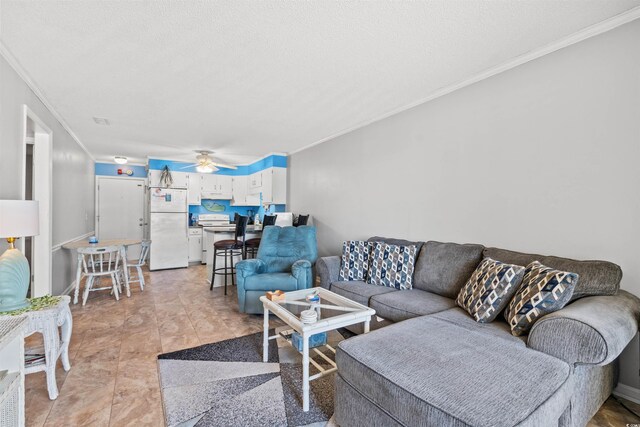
[543, 291]
[489, 289]
[392, 265]
[354, 264]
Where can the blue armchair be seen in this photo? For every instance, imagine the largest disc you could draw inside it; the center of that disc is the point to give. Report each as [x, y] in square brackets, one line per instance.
[285, 259]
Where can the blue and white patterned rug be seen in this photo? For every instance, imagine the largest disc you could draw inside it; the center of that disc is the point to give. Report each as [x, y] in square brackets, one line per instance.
[227, 384]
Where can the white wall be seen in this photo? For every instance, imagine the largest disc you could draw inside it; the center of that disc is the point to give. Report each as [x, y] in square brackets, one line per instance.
[73, 170]
[542, 158]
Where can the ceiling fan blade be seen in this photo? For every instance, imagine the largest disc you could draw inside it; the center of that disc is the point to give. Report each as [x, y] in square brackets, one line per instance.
[222, 165]
[189, 166]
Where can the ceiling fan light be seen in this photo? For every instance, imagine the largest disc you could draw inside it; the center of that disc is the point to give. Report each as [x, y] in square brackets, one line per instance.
[206, 168]
[121, 160]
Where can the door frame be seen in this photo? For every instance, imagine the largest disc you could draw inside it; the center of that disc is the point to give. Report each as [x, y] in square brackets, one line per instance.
[43, 243]
[145, 204]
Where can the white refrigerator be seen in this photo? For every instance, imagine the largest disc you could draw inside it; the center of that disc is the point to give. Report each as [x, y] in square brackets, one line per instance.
[169, 228]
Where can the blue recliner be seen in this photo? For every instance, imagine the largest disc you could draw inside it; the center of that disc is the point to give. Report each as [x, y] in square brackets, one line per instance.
[285, 259]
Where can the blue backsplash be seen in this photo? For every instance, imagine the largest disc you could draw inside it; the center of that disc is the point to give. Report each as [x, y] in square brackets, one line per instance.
[231, 210]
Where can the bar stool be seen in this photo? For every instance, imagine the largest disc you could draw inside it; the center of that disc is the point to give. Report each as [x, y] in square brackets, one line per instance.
[251, 248]
[228, 249]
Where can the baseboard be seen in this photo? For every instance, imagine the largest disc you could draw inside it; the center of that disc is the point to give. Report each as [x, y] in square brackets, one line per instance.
[627, 392]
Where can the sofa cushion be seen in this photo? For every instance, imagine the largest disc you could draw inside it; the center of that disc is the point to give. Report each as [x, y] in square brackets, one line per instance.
[355, 260]
[359, 292]
[499, 328]
[443, 268]
[271, 282]
[392, 265]
[543, 291]
[403, 305]
[451, 376]
[596, 277]
[489, 289]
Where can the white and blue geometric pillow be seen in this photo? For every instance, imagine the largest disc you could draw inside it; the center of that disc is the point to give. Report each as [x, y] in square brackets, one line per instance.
[355, 261]
[392, 265]
[543, 291]
[489, 289]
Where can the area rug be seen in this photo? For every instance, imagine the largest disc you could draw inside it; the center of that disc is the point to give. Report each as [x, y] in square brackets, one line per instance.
[227, 384]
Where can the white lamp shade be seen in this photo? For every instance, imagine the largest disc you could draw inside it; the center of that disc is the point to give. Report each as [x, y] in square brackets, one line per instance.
[19, 218]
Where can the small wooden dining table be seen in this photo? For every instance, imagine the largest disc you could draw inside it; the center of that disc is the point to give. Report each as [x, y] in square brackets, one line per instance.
[121, 243]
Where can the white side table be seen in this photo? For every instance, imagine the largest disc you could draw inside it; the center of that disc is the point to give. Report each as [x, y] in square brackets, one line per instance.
[47, 321]
[12, 360]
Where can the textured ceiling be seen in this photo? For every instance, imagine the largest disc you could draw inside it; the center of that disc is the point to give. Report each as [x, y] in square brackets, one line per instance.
[245, 78]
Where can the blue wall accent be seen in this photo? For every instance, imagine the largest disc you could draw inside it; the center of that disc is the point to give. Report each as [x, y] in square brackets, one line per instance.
[110, 169]
[268, 162]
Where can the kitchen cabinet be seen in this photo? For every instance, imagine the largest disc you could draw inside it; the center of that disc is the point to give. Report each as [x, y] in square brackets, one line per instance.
[179, 179]
[239, 190]
[216, 187]
[274, 186]
[255, 182]
[195, 244]
[194, 187]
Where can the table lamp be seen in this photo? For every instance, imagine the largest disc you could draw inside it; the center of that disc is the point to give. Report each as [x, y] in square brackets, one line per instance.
[18, 218]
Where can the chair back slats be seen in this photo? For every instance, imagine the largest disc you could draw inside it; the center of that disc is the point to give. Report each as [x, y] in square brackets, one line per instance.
[144, 252]
[302, 220]
[99, 261]
[241, 228]
[269, 220]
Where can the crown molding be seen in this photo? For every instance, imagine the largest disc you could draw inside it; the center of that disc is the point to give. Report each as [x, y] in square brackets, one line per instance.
[585, 33]
[13, 62]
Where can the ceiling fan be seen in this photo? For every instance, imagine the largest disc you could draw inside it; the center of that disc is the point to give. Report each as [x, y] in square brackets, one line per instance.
[206, 164]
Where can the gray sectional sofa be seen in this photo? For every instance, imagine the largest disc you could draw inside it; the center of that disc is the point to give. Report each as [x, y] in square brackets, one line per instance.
[428, 363]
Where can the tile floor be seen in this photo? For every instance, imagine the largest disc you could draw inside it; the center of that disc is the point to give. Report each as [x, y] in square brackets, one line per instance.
[113, 379]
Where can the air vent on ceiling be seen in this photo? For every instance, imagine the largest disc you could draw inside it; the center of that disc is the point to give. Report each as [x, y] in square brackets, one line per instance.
[101, 121]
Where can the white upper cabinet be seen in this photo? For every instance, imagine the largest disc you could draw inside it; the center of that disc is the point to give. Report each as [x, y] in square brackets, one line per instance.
[194, 181]
[274, 186]
[217, 187]
[239, 190]
[279, 186]
[225, 183]
[244, 190]
[255, 182]
[179, 179]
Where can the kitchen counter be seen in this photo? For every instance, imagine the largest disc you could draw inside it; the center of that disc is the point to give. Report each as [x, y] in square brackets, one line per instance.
[231, 228]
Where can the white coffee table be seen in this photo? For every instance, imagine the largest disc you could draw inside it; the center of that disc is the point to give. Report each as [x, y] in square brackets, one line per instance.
[334, 311]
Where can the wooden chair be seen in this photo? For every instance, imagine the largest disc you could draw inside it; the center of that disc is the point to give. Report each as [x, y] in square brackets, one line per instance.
[100, 262]
[142, 260]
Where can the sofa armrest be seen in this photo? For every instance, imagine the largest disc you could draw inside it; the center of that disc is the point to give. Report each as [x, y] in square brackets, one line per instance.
[328, 269]
[592, 330]
[303, 273]
[249, 267]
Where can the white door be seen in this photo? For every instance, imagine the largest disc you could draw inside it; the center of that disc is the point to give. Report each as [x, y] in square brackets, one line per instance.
[121, 210]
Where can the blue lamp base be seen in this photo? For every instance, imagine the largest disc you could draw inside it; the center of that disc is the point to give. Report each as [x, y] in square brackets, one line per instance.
[14, 280]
